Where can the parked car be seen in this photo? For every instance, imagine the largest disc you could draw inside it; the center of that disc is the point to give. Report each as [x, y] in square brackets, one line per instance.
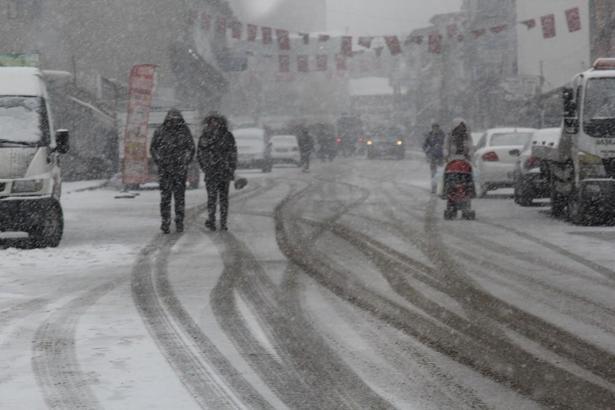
[529, 176]
[386, 141]
[254, 151]
[285, 150]
[493, 162]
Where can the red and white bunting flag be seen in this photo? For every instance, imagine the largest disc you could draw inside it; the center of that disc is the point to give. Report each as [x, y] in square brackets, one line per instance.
[322, 62]
[283, 39]
[252, 32]
[414, 40]
[284, 61]
[303, 63]
[573, 17]
[435, 43]
[530, 24]
[452, 30]
[306, 38]
[366, 42]
[346, 49]
[324, 38]
[393, 44]
[236, 30]
[205, 22]
[340, 63]
[221, 25]
[548, 25]
[267, 35]
[479, 33]
[499, 29]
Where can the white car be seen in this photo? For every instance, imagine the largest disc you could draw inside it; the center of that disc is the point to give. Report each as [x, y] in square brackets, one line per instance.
[493, 161]
[285, 150]
[254, 151]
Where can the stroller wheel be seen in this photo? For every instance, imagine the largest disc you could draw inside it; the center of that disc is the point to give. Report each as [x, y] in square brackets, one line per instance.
[449, 214]
[469, 215]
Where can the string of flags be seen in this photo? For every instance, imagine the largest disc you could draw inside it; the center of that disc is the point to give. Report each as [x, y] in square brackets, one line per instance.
[434, 40]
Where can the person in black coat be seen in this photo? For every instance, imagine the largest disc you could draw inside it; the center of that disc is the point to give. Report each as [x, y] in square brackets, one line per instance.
[306, 146]
[434, 150]
[217, 156]
[172, 150]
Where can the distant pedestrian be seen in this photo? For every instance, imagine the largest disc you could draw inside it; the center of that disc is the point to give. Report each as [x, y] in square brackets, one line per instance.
[306, 146]
[217, 156]
[434, 150]
[172, 150]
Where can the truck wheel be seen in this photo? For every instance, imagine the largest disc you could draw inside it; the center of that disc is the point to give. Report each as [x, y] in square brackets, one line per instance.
[523, 197]
[577, 210]
[49, 233]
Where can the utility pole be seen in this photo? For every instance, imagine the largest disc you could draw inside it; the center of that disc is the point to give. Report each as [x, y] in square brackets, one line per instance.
[541, 84]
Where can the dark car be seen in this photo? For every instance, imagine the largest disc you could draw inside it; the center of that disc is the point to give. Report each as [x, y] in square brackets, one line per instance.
[386, 142]
[529, 178]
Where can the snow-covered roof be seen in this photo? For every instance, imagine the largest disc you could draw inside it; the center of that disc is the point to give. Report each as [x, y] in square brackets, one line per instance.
[370, 86]
[24, 81]
[511, 130]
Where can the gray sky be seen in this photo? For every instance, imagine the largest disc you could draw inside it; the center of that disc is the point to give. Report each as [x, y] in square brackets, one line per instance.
[384, 16]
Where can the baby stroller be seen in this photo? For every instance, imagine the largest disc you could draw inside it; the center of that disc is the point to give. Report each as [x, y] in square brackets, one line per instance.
[458, 189]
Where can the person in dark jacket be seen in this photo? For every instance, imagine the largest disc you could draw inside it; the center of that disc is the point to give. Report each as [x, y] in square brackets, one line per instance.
[217, 156]
[306, 146]
[459, 142]
[434, 150]
[172, 150]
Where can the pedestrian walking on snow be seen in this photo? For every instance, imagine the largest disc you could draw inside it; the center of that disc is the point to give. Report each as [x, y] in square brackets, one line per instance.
[306, 146]
[172, 150]
[217, 156]
[434, 150]
[459, 142]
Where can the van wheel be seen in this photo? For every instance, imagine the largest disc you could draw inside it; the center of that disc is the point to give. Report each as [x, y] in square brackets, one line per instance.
[49, 233]
[577, 210]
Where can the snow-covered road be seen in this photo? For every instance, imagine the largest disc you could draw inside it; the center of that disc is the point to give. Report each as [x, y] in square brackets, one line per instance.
[342, 288]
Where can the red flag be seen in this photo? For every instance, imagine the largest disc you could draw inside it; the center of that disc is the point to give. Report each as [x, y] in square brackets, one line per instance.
[414, 40]
[340, 62]
[252, 32]
[366, 41]
[498, 29]
[306, 38]
[393, 44]
[452, 30]
[573, 16]
[479, 33]
[283, 39]
[284, 63]
[267, 35]
[236, 29]
[221, 25]
[303, 63]
[205, 22]
[322, 62]
[435, 42]
[530, 24]
[548, 25]
[323, 37]
[347, 46]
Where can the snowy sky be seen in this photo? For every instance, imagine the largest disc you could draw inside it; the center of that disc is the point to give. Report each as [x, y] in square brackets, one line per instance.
[385, 16]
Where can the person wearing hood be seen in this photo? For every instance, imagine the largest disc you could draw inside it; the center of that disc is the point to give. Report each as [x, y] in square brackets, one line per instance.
[217, 156]
[433, 146]
[172, 150]
[459, 142]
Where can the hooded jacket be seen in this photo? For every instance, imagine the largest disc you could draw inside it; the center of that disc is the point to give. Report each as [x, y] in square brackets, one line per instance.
[459, 142]
[172, 147]
[217, 150]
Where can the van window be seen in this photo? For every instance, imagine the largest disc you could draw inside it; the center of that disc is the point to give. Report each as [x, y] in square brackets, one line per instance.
[23, 120]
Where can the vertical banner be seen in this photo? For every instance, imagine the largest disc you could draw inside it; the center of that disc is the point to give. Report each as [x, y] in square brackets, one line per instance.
[393, 44]
[435, 43]
[141, 89]
[548, 25]
[346, 46]
[283, 39]
[267, 33]
[236, 29]
[573, 17]
[340, 63]
[252, 32]
[303, 64]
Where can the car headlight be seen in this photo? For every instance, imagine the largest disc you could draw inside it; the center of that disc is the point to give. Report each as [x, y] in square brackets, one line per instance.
[370, 142]
[400, 142]
[28, 186]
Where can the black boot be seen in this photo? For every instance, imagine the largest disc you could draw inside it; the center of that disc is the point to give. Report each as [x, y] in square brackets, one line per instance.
[165, 227]
[179, 226]
[211, 225]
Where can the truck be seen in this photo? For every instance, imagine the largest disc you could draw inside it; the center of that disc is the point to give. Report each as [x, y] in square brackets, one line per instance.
[580, 167]
[30, 150]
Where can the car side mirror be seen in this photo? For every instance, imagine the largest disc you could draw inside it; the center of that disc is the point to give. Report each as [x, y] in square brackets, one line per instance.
[62, 142]
[515, 153]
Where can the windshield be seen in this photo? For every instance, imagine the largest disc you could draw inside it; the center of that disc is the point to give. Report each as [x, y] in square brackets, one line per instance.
[600, 99]
[512, 138]
[20, 120]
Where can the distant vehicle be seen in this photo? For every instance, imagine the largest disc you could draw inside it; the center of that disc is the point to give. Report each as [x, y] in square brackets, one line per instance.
[492, 157]
[325, 137]
[386, 142]
[254, 151]
[349, 133]
[530, 179]
[285, 150]
[30, 149]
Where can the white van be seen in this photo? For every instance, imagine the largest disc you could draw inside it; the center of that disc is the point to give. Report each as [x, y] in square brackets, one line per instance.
[30, 180]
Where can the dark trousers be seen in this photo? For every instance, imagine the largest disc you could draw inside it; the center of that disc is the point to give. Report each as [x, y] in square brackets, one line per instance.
[305, 159]
[217, 191]
[173, 186]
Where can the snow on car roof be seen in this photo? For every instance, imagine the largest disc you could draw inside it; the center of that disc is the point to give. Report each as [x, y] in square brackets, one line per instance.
[23, 81]
[249, 133]
[510, 131]
[284, 138]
